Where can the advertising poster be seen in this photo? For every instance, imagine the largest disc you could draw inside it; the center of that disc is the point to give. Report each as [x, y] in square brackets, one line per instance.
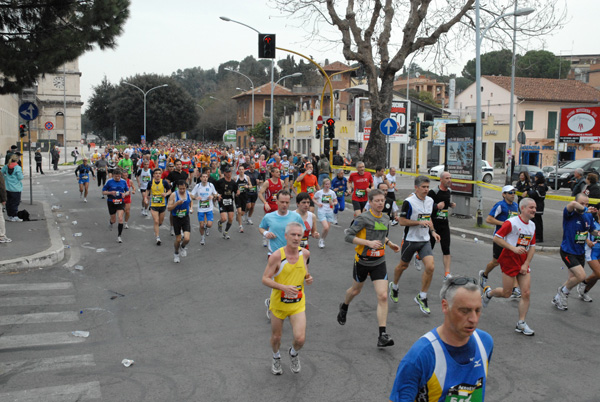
[460, 155]
[579, 125]
[439, 131]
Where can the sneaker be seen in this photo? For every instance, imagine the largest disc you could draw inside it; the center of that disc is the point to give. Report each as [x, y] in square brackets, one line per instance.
[516, 294]
[126, 226]
[482, 279]
[5, 240]
[226, 235]
[264, 242]
[176, 258]
[393, 293]
[321, 243]
[341, 318]
[268, 304]
[250, 222]
[485, 296]
[447, 276]
[384, 340]
[158, 242]
[183, 252]
[422, 304]
[80, 195]
[556, 301]
[418, 264]
[563, 297]
[202, 241]
[335, 222]
[207, 231]
[16, 219]
[241, 229]
[580, 289]
[220, 226]
[172, 231]
[295, 365]
[394, 222]
[85, 200]
[523, 328]
[119, 240]
[276, 366]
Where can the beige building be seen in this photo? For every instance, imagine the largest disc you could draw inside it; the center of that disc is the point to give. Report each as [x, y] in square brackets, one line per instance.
[9, 123]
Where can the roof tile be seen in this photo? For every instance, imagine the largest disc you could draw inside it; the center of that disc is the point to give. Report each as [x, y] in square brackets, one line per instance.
[547, 89]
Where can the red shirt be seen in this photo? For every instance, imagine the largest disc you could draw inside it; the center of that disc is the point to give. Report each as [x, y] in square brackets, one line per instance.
[361, 184]
[309, 184]
[271, 194]
[516, 233]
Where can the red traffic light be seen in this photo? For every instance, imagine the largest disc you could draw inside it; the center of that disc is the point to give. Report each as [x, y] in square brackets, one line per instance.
[22, 126]
[330, 122]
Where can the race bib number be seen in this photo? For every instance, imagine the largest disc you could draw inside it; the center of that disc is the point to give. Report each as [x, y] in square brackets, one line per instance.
[204, 204]
[310, 189]
[304, 242]
[252, 189]
[102, 169]
[442, 214]
[524, 240]
[326, 199]
[424, 217]
[285, 298]
[274, 198]
[580, 237]
[380, 252]
[360, 193]
[512, 214]
[117, 201]
[243, 188]
[339, 193]
[157, 199]
[466, 392]
[227, 201]
[84, 177]
[146, 179]
[181, 213]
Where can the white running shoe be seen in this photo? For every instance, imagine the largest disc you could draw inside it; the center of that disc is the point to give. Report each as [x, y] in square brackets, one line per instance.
[176, 258]
[85, 200]
[582, 293]
[276, 366]
[202, 241]
[126, 225]
[158, 242]
[119, 240]
[418, 264]
[250, 221]
[482, 279]
[523, 328]
[295, 365]
[172, 231]
[241, 229]
[183, 252]
[264, 242]
[207, 232]
[321, 243]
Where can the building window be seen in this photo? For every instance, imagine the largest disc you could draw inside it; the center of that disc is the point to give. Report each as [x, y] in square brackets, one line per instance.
[60, 121]
[552, 124]
[267, 111]
[337, 77]
[529, 120]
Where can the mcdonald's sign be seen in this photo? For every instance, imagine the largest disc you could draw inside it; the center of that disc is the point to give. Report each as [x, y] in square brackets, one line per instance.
[344, 130]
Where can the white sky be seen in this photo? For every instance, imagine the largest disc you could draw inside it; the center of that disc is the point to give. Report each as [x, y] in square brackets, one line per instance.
[164, 36]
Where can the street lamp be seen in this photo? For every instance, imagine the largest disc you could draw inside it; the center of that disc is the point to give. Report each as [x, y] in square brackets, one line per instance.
[251, 85]
[272, 100]
[478, 125]
[226, 110]
[145, 93]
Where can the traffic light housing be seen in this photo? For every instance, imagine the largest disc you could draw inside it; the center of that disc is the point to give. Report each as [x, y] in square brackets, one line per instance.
[424, 128]
[318, 133]
[268, 130]
[330, 128]
[412, 130]
[266, 46]
[22, 128]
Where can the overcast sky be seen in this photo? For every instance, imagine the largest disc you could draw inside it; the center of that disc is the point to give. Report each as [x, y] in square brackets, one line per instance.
[164, 36]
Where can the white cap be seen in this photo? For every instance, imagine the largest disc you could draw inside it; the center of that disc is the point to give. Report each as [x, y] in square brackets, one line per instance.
[508, 188]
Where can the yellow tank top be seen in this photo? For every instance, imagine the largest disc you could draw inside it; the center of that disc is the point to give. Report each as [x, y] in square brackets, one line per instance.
[289, 274]
[156, 194]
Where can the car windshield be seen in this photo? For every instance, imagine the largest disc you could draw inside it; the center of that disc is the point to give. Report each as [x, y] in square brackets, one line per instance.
[576, 164]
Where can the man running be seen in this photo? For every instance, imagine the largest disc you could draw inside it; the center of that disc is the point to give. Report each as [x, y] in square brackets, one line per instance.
[415, 215]
[517, 238]
[309, 218]
[158, 191]
[144, 177]
[269, 189]
[242, 200]
[369, 233]
[174, 177]
[255, 183]
[101, 170]
[126, 164]
[339, 184]
[441, 200]
[82, 172]
[116, 190]
[309, 184]
[204, 192]
[325, 200]
[360, 182]
[285, 274]
[227, 190]
[180, 206]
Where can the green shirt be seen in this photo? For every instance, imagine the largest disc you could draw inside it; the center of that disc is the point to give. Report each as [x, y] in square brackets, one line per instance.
[126, 164]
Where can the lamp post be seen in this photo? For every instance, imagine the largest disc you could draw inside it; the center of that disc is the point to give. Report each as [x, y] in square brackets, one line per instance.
[272, 100]
[251, 86]
[478, 125]
[226, 110]
[145, 94]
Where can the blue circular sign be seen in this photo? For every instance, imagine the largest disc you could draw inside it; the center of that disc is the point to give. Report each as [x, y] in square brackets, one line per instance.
[28, 111]
[388, 126]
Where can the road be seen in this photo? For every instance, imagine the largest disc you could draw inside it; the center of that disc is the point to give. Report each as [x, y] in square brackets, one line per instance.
[197, 331]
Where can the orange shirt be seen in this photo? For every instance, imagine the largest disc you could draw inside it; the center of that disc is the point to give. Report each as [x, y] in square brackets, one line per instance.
[309, 184]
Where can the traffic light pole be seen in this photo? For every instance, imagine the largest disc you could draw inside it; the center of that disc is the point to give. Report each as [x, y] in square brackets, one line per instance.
[418, 134]
[30, 171]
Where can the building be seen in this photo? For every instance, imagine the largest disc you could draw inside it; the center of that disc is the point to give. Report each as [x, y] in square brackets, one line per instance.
[9, 123]
[424, 84]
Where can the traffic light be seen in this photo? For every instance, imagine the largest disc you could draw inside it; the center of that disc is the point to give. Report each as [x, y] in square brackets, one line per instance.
[424, 128]
[22, 128]
[330, 128]
[266, 46]
[318, 134]
[268, 130]
[412, 130]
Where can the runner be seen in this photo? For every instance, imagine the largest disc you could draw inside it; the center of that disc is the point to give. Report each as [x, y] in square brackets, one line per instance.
[127, 201]
[360, 183]
[285, 274]
[310, 220]
[158, 192]
[204, 192]
[391, 179]
[285, 172]
[82, 172]
[126, 164]
[339, 184]
[242, 200]
[116, 189]
[174, 177]
[577, 224]
[255, 183]
[269, 189]
[517, 238]
[325, 199]
[144, 177]
[180, 207]
[309, 184]
[391, 208]
[101, 170]
[441, 201]
[379, 177]
[450, 362]
[415, 215]
[369, 233]
[499, 213]
[227, 190]
[592, 256]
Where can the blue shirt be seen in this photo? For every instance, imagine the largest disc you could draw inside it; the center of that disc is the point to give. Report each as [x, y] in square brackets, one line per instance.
[113, 185]
[465, 369]
[84, 171]
[182, 210]
[339, 186]
[502, 210]
[276, 224]
[576, 228]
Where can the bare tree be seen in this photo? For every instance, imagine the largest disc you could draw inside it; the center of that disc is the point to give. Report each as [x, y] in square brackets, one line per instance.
[369, 36]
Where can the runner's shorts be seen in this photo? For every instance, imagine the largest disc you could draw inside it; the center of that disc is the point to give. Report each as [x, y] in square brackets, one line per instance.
[209, 216]
[181, 225]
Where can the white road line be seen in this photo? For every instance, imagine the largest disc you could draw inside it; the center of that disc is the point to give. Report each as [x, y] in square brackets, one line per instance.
[35, 286]
[54, 363]
[38, 318]
[36, 301]
[31, 340]
[60, 393]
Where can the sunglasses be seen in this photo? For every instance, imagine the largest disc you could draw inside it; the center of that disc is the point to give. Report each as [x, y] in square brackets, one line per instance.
[510, 192]
[461, 281]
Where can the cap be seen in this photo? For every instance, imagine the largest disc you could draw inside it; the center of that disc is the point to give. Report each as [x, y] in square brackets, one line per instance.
[508, 188]
[539, 175]
[13, 147]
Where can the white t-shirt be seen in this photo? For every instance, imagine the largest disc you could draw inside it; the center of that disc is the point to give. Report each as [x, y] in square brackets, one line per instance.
[204, 204]
[326, 198]
[392, 180]
[377, 180]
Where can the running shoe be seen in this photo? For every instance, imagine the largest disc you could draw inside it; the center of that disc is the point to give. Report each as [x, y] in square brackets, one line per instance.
[485, 296]
[321, 243]
[80, 195]
[241, 229]
[295, 365]
[250, 221]
[85, 200]
[276, 366]
[341, 318]
[268, 304]
[556, 300]
[422, 304]
[447, 276]
[482, 279]
[563, 297]
[183, 252]
[335, 222]
[384, 340]
[394, 222]
[202, 241]
[523, 328]
[516, 293]
[172, 231]
[220, 226]
[102, 197]
[418, 264]
[126, 225]
[158, 242]
[176, 258]
[582, 293]
[119, 240]
[226, 235]
[207, 231]
[393, 292]
[5, 240]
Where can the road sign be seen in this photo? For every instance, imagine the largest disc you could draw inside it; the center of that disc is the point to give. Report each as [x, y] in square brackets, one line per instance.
[388, 126]
[49, 125]
[521, 137]
[319, 122]
[252, 139]
[28, 111]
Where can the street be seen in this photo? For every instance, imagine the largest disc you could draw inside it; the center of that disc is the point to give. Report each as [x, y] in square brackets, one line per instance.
[197, 330]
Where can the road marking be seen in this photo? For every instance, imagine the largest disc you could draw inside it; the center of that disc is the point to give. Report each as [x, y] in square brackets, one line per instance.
[47, 339]
[36, 301]
[35, 286]
[61, 393]
[39, 318]
[54, 363]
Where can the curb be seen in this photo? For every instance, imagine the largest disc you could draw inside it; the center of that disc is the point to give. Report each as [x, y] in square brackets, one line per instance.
[52, 255]
[553, 249]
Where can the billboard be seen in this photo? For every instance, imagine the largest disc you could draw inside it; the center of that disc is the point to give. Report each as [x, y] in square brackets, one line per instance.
[580, 125]
[399, 113]
[439, 131]
[460, 156]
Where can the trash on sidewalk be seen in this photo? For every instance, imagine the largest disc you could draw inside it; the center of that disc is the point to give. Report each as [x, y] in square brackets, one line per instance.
[80, 334]
[66, 192]
[55, 207]
[101, 250]
[74, 222]
[464, 236]
[127, 362]
[78, 267]
[67, 246]
[77, 234]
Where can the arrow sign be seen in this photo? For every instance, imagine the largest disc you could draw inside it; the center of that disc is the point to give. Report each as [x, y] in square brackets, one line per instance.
[388, 126]
[28, 111]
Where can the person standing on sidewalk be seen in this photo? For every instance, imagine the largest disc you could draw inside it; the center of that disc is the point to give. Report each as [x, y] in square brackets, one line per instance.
[517, 239]
[75, 155]
[55, 153]
[441, 201]
[38, 161]
[579, 184]
[13, 177]
[3, 238]
[537, 192]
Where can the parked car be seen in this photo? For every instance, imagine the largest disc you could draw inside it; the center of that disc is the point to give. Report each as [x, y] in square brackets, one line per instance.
[487, 171]
[565, 174]
[532, 169]
[547, 170]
